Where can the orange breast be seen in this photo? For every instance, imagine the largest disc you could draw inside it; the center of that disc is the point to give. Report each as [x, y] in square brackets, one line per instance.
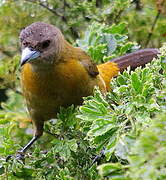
[63, 85]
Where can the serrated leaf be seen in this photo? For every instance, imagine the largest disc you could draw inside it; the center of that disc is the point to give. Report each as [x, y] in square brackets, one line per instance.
[110, 148]
[2, 170]
[109, 169]
[136, 83]
[111, 43]
[125, 48]
[73, 145]
[101, 126]
[121, 80]
[117, 29]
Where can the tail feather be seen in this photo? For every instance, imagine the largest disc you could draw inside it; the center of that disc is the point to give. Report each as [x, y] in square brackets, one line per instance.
[110, 69]
[136, 59]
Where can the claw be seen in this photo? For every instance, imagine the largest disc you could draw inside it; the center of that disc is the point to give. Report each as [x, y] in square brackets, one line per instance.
[20, 156]
[9, 157]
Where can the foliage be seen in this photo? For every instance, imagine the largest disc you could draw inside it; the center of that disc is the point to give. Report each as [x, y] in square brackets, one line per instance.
[104, 42]
[147, 155]
[114, 124]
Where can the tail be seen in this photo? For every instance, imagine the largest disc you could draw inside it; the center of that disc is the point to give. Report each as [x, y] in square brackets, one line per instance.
[139, 58]
[136, 59]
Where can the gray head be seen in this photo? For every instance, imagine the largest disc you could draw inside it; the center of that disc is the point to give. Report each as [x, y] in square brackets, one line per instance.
[40, 42]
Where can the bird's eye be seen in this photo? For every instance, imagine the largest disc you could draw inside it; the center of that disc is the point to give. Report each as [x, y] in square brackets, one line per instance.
[24, 43]
[45, 44]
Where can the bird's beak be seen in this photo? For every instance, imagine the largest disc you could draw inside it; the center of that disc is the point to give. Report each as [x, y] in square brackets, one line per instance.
[28, 54]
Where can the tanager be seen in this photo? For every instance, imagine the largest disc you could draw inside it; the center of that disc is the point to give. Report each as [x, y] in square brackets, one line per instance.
[55, 74]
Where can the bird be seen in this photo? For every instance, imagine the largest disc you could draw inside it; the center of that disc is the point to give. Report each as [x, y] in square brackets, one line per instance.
[56, 74]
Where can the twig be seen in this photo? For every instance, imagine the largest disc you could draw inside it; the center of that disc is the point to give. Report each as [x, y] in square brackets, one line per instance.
[152, 28]
[73, 31]
[44, 6]
[99, 3]
[137, 4]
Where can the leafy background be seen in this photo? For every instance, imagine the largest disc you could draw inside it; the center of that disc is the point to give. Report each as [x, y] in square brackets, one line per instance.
[119, 136]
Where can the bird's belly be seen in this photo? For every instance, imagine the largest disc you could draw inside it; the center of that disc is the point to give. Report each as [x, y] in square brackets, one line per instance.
[46, 107]
[45, 92]
[47, 98]
[48, 103]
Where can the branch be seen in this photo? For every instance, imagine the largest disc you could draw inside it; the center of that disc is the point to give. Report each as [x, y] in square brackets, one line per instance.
[73, 31]
[99, 3]
[45, 6]
[152, 28]
[137, 4]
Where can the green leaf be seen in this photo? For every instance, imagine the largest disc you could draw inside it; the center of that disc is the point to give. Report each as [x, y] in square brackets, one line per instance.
[73, 145]
[111, 170]
[136, 83]
[117, 29]
[110, 148]
[111, 43]
[2, 170]
[101, 126]
[126, 48]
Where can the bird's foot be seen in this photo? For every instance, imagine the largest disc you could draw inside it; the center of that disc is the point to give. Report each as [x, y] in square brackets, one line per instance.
[20, 156]
[9, 157]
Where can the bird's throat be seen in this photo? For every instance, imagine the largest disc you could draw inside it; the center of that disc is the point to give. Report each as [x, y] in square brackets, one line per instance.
[41, 67]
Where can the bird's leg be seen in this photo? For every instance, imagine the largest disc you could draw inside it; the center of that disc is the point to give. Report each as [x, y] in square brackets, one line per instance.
[38, 132]
[21, 153]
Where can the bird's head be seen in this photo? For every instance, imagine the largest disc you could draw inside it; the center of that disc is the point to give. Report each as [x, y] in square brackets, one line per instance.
[41, 43]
